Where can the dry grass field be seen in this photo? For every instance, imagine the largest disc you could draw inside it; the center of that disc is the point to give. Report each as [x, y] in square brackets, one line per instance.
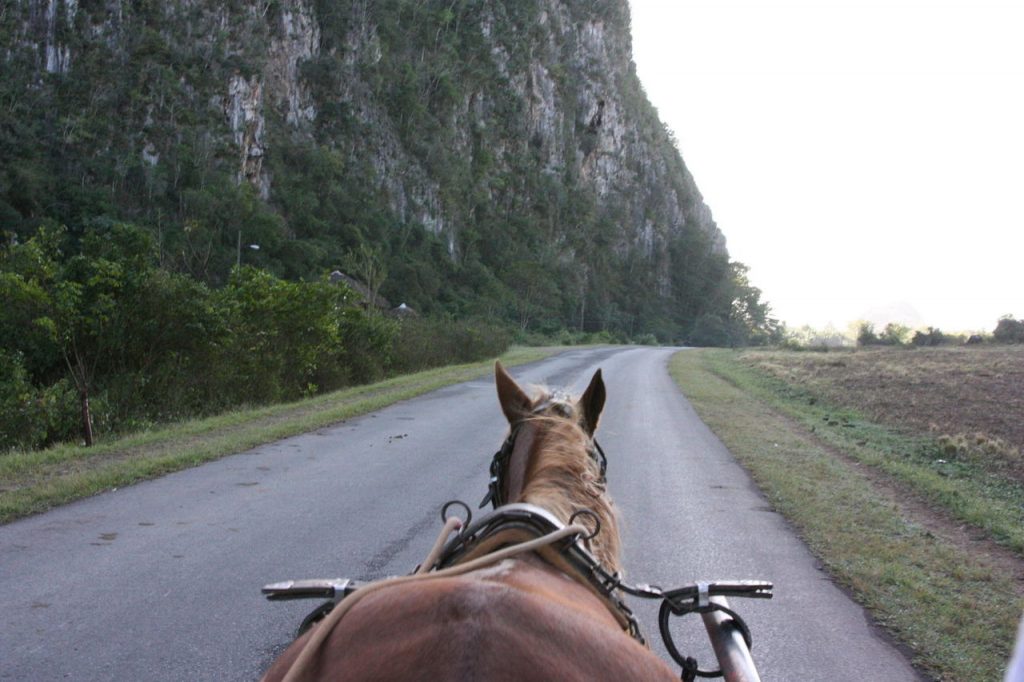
[971, 397]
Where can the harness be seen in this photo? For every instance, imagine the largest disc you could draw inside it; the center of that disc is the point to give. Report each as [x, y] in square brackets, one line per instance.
[516, 528]
[499, 463]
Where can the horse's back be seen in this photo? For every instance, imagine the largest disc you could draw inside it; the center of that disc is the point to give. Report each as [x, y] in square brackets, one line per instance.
[518, 623]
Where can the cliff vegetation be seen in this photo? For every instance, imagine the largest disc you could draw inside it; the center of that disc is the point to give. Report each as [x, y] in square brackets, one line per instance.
[492, 163]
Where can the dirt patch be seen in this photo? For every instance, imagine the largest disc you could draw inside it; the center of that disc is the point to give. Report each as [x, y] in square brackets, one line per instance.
[973, 395]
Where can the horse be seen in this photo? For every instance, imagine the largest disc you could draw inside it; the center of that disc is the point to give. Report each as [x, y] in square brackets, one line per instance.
[523, 615]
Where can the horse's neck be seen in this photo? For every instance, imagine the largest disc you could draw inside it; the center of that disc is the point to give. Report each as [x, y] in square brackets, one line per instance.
[532, 454]
[539, 477]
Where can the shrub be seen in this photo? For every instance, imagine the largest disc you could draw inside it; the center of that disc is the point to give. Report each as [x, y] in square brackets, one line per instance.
[646, 340]
[894, 334]
[711, 330]
[1009, 330]
[32, 417]
[931, 337]
[422, 343]
[368, 340]
[866, 334]
[22, 423]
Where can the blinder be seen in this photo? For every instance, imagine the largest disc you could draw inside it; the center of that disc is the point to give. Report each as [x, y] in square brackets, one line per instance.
[499, 463]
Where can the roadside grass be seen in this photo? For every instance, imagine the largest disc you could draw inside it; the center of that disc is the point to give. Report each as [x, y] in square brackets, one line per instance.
[954, 607]
[32, 482]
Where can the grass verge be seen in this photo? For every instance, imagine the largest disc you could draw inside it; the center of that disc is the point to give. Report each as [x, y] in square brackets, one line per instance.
[32, 482]
[968, 489]
[952, 605]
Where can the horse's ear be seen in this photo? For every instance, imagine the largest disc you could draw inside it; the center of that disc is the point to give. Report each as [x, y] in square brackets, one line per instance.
[591, 403]
[514, 401]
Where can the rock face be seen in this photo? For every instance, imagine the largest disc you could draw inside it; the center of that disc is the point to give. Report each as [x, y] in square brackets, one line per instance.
[464, 118]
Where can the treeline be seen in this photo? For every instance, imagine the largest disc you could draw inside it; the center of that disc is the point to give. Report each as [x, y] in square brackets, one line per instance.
[95, 337]
[1008, 330]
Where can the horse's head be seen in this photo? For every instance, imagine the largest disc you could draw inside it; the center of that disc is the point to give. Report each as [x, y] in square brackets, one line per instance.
[518, 406]
[552, 460]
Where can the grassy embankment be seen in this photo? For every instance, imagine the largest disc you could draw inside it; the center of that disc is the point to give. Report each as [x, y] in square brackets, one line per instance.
[31, 482]
[926, 531]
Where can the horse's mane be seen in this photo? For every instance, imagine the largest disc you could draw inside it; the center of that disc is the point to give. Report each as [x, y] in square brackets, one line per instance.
[563, 478]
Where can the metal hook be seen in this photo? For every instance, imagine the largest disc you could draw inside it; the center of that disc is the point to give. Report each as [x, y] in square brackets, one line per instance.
[591, 514]
[460, 503]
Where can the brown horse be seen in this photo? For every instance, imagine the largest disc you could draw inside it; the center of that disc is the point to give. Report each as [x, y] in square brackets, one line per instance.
[519, 618]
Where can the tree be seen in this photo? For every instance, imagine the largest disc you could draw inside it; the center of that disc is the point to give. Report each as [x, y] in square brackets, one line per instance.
[76, 310]
[367, 263]
[895, 334]
[91, 294]
[932, 337]
[866, 335]
[712, 330]
[752, 316]
[1009, 330]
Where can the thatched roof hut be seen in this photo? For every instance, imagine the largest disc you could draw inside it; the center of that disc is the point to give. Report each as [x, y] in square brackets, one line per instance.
[361, 289]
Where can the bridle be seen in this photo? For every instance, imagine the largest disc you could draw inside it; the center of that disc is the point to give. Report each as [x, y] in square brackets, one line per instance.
[499, 463]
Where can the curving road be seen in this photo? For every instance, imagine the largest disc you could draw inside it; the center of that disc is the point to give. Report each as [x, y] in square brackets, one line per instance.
[160, 581]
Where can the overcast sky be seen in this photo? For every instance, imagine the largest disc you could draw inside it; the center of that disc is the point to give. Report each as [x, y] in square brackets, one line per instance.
[858, 156]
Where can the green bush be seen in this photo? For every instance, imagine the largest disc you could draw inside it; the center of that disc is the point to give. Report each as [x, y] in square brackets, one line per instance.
[1009, 330]
[866, 334]
[368, 341]
[32, 417]
[646, 340]
[710, 330]
[22, 423]
[894, 334]
[422, 343]
[931, 337]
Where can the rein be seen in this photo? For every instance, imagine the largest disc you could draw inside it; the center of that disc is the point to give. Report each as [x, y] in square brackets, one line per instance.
[516, 529]
[519, 522]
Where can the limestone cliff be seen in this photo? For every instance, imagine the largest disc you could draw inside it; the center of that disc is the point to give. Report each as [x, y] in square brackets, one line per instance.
[509, 132]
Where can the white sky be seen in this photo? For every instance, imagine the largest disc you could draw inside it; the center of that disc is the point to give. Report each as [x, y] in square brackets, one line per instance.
[856, 155]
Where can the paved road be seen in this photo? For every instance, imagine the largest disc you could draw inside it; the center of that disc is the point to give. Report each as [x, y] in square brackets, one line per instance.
[161, 581]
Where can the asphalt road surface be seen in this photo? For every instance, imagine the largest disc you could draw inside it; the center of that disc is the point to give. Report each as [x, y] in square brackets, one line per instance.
[161, 581]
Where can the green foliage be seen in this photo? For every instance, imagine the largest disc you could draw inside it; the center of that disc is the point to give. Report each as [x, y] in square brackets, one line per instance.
[425, 343]
[930, 337]
[712, 330]
[146, 345]
[809, 338]
[866, 335]
[21, 422]
[139, 305]
[1009, 330]
[32, 416]
[894, 334]
[139, 132]
[368, 338]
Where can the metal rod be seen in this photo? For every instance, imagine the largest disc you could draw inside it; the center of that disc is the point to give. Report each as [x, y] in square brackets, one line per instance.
[734, 657]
